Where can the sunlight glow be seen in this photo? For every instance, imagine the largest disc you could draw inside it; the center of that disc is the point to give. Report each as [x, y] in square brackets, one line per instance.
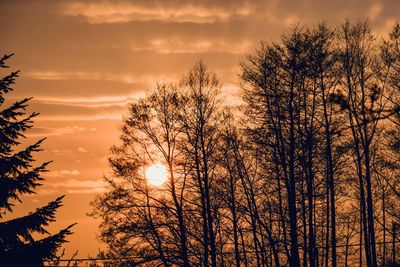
[156, 174]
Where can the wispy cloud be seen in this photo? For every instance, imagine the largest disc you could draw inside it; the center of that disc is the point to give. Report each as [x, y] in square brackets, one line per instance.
[95, 190]
[375, 10]
[106, 12]
[68, 75]
[178, 45]
[126, 78]
[63, 173]
[57, 131]
[75, 186]
[62, 152]
[77, 118]
[97, 102]
[71, 111]
[82, 150]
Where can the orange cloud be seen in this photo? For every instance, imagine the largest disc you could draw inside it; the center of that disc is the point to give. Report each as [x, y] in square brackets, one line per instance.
[63, 173]
[82, 150]
[106, 12]
[75, 186]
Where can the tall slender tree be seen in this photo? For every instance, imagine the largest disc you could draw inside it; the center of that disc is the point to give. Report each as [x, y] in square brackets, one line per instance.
[292, 178]
[201, 122]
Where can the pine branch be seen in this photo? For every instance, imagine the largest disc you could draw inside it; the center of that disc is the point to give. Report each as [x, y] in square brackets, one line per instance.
[11, 128]
[13, 165]
[37, 252]
[7, 81]
[12, 112]
[4, 59]
[23, 183]
[20, 230]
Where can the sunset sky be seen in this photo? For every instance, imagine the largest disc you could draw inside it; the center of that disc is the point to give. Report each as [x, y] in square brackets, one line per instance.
[83, 61]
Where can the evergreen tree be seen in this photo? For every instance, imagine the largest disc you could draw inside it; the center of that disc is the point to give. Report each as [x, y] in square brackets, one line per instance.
[19, 176]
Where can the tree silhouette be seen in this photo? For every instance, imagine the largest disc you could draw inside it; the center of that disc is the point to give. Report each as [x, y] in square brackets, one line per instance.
[19, 176]
[305, 173]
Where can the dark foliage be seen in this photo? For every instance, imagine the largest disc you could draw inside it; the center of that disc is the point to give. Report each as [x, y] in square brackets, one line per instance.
[19, 176]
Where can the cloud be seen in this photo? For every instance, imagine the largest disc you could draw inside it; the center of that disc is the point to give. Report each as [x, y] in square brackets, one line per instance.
[97, 102]
[70, 183]
[70, 172]
[57, 131]
[117, 12]
[62, 152]
[95, 190]
[43, 192]
[76, 75]
[67, 111]
[375, 10]
[75, 90]
[80, 118]
[63, 173]
[82, 150]
[75, 186]
[180, 45]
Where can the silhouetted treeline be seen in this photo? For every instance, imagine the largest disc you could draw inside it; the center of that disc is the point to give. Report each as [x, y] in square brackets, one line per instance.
[304, 173]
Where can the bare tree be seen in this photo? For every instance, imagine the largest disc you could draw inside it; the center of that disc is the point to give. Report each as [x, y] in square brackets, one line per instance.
[133, 209]
[304, 173]
[200, 122]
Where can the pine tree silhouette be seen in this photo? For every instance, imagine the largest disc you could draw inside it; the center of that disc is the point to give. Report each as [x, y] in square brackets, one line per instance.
[18, 176]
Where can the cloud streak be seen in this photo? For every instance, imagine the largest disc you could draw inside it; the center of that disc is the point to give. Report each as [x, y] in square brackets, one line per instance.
[75, 186]
[106, 12]
[63, 173]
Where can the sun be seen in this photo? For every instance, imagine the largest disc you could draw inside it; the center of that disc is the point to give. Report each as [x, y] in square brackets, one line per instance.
[156, 174]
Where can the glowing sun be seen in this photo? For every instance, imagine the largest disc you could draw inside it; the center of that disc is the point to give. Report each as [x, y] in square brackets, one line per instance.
[156, 174]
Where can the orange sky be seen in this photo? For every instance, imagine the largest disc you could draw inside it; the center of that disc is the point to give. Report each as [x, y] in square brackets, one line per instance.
[83, 61]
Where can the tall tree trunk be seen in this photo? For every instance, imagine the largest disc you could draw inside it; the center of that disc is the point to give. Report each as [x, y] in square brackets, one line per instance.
[232, 207]
[204, 152]
[330, 172]
[294, 247]
[203, 208]
[384, 225]
[243, 248]
[181, 224]
[327, 239]
[371, 226]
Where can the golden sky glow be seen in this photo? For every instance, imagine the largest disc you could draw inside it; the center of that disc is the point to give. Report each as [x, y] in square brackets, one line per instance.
[83, 61]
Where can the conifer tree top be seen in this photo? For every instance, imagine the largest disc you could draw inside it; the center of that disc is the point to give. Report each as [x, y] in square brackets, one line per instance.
[20, 175]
